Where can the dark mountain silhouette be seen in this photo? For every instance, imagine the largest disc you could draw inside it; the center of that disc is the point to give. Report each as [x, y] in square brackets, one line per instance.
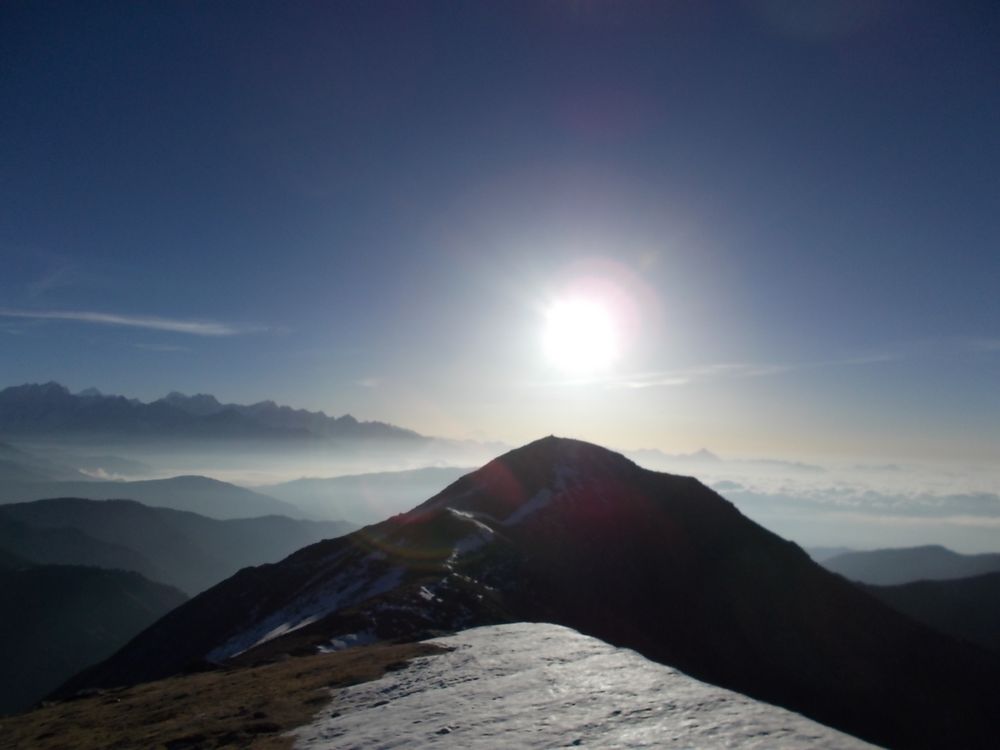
[570, 533]
[65, 545]
[966, 608]
[182, 549]
[10, 561]
[364, 498]
[886, 567]
[59, 619]
[50, 410]
[202, 495]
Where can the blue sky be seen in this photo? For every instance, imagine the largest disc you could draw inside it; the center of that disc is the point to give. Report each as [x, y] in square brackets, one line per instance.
[368, 207]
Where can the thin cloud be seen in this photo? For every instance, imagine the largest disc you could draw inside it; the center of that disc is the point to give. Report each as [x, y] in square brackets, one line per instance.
[64, 276]
[690, 375]
[728, 370]
[984, 345]
[161, 347]
[667, 378]
[703, 373]
[174, 325]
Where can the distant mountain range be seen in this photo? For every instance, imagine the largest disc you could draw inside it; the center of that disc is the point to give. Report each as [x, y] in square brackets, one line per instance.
[59, 619]
[183, 549]
[886, 567]
[569, 533]
[704, 460]
[51, 410]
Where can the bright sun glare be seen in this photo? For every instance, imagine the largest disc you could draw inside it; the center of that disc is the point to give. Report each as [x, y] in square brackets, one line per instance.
[580, 335]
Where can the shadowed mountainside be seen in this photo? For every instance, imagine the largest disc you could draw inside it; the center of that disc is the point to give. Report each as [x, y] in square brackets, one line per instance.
[566, 532]
[59, 619]
[66, 545]
[966, 608]
[10, 561]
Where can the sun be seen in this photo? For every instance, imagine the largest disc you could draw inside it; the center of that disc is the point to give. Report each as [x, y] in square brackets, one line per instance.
[580, 335]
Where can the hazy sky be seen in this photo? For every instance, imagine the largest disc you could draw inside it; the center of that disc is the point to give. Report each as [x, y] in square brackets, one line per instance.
[789, 214]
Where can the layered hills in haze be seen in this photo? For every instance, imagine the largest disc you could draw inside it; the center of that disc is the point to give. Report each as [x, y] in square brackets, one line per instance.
[180, 548]
[197, 494]
[63, 544]
[886, 567]
[566, 532]
[79, 578]
[363, 498]
[17, 465]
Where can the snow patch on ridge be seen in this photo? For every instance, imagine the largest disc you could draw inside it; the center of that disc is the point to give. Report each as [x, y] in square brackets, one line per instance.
[344, 590]
[565, 475]
[542, 686]
[466, 516]
[285, 627]
[537, 502]
[349, 641]
[481, 535]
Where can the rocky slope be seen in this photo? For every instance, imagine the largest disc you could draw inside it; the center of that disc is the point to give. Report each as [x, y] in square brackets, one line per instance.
[569, 533]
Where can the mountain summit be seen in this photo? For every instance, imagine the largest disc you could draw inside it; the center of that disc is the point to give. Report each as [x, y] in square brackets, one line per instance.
[570, 533]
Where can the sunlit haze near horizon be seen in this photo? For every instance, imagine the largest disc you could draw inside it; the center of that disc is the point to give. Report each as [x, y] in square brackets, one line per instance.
[764, 228]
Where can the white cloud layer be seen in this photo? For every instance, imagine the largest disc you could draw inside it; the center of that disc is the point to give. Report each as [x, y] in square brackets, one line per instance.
[858, 506]
[738, 370]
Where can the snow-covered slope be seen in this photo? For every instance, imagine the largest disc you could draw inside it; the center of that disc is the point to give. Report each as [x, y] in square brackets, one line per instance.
[535, 685]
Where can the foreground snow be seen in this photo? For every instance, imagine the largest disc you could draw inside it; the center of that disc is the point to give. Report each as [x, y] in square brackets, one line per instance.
[546, 686]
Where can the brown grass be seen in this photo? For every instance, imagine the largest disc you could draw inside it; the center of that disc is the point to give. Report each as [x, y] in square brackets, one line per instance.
[240, 708]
